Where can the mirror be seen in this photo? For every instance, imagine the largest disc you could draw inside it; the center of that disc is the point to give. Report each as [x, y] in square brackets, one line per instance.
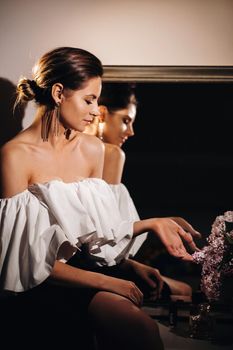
[180, 160]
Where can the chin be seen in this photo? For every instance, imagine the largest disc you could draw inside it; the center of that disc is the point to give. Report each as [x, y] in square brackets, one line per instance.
[80, 128]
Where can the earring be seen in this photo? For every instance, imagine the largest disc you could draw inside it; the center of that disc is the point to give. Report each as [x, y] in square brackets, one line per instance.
[46, 123]
[56, 122]
[100, 130]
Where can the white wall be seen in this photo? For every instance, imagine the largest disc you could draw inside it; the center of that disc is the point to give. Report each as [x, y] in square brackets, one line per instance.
[119, 32]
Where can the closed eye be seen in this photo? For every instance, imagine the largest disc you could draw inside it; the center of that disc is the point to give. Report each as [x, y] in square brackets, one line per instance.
[88, 102]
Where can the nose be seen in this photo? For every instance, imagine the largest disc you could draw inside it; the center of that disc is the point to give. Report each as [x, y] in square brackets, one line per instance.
[129, 130]
[95, 111]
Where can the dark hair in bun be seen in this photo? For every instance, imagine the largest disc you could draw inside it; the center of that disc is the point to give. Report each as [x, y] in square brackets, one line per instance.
[72, 67]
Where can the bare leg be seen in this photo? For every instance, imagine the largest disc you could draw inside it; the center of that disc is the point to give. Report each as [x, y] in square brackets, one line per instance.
[119, 324]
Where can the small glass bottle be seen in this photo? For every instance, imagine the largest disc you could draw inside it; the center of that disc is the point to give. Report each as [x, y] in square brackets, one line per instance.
[200, 319]
[172, 314]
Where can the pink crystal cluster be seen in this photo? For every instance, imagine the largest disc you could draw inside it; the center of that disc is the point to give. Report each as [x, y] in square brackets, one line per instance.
[217, 256]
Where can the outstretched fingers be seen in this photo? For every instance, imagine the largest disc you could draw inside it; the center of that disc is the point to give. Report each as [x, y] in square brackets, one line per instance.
[186, 226]
[187, 238]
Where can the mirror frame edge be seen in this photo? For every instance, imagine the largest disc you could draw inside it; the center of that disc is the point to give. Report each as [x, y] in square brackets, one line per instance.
[121, 73]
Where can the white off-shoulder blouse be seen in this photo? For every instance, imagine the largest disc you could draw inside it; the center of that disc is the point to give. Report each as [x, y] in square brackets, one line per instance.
[128, 212]
[50, 221]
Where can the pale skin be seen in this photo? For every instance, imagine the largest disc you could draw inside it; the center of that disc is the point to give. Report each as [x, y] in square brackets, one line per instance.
[117, 127]
[26, 159]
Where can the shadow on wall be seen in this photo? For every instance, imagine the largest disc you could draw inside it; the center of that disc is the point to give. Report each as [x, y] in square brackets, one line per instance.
[11, 120]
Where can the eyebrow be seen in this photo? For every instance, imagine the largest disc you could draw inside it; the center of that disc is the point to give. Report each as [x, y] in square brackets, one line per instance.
[125, 116]
[91, 95]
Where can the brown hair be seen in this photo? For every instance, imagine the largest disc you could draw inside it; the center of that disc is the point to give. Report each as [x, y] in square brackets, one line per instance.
[72, 67]
[117, 96]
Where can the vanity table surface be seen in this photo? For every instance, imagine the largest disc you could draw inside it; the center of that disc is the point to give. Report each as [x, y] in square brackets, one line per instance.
[172, 341]
[177, 338]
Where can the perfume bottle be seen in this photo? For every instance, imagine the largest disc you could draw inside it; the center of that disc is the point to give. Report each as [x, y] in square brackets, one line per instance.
[172, 314]
[200, 318]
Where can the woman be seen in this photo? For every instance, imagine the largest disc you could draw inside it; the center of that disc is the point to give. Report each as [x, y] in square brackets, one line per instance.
[118, 108]
[56, 208]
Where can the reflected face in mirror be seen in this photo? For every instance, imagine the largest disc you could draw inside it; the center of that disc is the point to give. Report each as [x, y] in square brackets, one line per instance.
[118, 125]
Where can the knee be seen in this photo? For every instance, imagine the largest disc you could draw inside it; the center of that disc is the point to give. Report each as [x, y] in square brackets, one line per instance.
[106, 305]
[113, 314]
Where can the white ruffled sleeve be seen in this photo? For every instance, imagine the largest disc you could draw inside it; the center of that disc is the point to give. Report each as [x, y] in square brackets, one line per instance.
[30, 242]
[127, 209]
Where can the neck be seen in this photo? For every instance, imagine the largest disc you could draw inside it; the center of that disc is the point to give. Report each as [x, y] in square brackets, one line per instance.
[51, 128]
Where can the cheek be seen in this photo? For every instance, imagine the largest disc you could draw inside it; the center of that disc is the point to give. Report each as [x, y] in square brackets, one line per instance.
[68, 106]
[71, 113]
[75, 106]
[123, 128]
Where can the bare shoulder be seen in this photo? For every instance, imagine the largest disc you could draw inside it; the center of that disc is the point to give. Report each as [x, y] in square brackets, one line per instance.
[92, 144]
[13, 168]
[114, 151]
[11, 151]
[114, 160]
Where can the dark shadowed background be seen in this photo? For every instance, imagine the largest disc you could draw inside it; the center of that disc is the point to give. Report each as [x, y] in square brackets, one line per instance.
[180, 161]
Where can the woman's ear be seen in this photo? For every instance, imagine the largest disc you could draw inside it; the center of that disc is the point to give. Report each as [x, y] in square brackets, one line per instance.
[56, 92]
[103, 113]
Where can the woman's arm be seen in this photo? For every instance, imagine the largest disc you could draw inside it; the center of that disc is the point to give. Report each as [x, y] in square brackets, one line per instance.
[67, 275]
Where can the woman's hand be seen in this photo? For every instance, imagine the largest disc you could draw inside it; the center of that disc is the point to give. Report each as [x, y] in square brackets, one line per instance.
[186, 225]
[171, 231]
[128, 289]
[150, 275]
